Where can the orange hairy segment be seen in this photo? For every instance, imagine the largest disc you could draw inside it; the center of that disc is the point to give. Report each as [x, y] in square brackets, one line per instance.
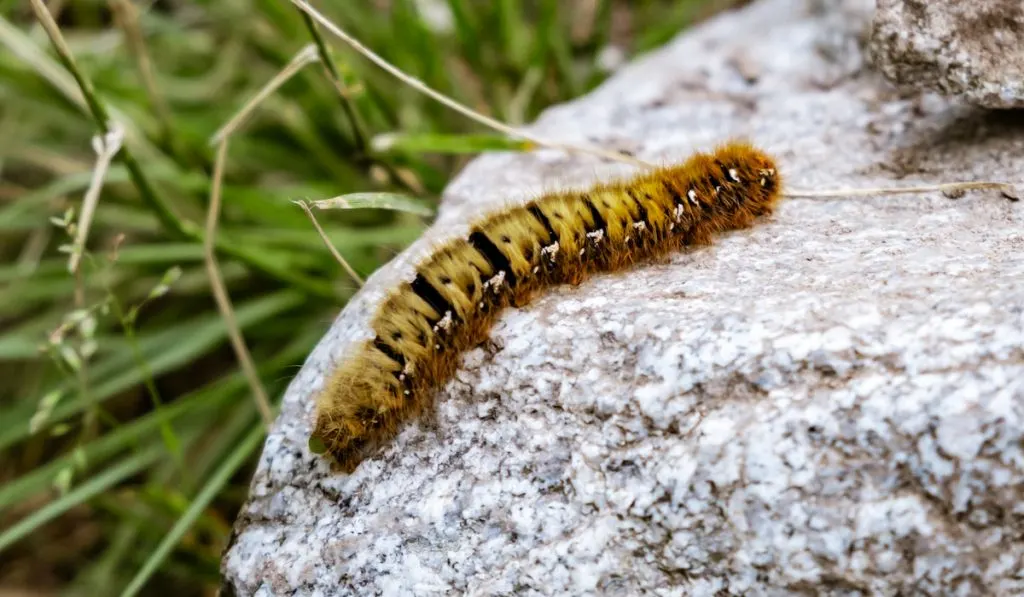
[424, 325]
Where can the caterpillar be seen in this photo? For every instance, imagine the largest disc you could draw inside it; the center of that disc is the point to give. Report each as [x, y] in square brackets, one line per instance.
[422, 326]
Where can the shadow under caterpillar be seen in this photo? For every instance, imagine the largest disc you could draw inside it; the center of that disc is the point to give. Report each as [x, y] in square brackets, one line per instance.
[459, 290]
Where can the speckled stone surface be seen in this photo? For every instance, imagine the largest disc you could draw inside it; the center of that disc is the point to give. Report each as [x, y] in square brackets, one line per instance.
[969, 49]
[831, 403]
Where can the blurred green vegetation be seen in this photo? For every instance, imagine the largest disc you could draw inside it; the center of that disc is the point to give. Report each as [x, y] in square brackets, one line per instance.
[127, 430]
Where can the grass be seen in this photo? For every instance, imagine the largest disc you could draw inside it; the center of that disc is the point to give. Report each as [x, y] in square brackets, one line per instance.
[128, 429]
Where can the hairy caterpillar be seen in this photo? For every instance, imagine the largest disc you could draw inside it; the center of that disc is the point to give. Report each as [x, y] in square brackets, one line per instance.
[422, 326]
[458, 291]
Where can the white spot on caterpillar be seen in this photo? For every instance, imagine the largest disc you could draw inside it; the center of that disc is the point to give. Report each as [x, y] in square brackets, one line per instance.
[401, 377]
[680, 210]
[407, 369]
[582, 251]
[550, 250]
[596, 236]
[437, 347]
[640, 225]
[536, 269]
[734, 175]
[495, 282]
[445, 323]
[407, 392]
[692, 196]
[717, 188]
[672, 226]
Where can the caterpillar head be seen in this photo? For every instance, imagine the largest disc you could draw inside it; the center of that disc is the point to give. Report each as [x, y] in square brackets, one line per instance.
[756, 173]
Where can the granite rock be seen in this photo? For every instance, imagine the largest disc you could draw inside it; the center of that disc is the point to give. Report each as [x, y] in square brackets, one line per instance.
[830, 403]
[973, 50]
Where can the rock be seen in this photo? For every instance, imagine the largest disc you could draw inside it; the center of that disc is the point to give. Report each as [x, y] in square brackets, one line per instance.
[831, 403]
[973, 50]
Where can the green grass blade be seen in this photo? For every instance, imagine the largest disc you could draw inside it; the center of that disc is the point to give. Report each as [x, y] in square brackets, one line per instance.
[217, 480]
[392, 201]
[452, 144]
[122, 438]
[165, 352]
[91, 488]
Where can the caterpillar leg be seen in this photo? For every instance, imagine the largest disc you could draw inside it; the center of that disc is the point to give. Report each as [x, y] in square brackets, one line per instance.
[522, 299]
[490, 347]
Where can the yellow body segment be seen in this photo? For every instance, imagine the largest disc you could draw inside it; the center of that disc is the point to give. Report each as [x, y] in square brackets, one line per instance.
[459, 272]
[518, 238]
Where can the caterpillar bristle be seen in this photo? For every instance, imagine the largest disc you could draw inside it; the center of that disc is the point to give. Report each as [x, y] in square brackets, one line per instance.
[460, 289]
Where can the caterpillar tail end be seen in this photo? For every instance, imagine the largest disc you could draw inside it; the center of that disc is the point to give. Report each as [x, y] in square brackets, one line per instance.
[343, 456]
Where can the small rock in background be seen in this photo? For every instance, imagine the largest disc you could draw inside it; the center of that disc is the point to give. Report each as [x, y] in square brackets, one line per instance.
[970, 49]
